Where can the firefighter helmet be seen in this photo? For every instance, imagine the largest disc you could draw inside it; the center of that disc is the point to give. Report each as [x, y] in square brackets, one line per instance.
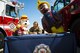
[42, 2]
[24, 17]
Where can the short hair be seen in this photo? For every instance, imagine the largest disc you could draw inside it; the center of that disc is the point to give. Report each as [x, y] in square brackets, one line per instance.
[35, 22]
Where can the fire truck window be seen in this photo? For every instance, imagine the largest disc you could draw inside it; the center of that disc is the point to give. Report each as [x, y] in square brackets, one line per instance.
[58, 5]
[10, 11]
[67, 2]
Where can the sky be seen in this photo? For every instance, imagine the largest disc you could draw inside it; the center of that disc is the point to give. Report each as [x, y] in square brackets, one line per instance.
[30, 9]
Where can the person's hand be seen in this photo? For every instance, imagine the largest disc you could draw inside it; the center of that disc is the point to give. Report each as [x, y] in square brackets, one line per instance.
[34, 32]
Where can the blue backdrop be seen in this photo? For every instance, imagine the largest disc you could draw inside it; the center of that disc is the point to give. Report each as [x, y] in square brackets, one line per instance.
[55, 43]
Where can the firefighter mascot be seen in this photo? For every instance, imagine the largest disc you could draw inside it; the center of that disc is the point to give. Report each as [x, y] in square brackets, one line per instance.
[50, 21]
[21, 28]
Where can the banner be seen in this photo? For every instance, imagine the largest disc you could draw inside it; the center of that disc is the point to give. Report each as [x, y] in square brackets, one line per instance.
[41, 43]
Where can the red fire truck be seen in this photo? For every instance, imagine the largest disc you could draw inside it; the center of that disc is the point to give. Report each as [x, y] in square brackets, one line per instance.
[9, 17]
[69, 10]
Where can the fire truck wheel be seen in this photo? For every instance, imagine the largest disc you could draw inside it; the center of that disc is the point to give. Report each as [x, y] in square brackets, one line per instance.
[76, 29]
[2, 35]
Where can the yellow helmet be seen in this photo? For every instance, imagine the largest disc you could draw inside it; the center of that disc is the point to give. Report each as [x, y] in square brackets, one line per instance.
[24, 17]
[42, 2]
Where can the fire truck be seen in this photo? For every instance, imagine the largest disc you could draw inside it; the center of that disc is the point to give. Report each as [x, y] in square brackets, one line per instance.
[9, 17]
[69, 10]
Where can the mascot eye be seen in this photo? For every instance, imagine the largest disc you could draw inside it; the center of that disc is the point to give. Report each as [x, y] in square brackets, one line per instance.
[25, 23]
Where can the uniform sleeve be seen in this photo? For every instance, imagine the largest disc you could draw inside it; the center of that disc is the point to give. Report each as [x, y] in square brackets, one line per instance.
[31, 29]
[45, 26]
